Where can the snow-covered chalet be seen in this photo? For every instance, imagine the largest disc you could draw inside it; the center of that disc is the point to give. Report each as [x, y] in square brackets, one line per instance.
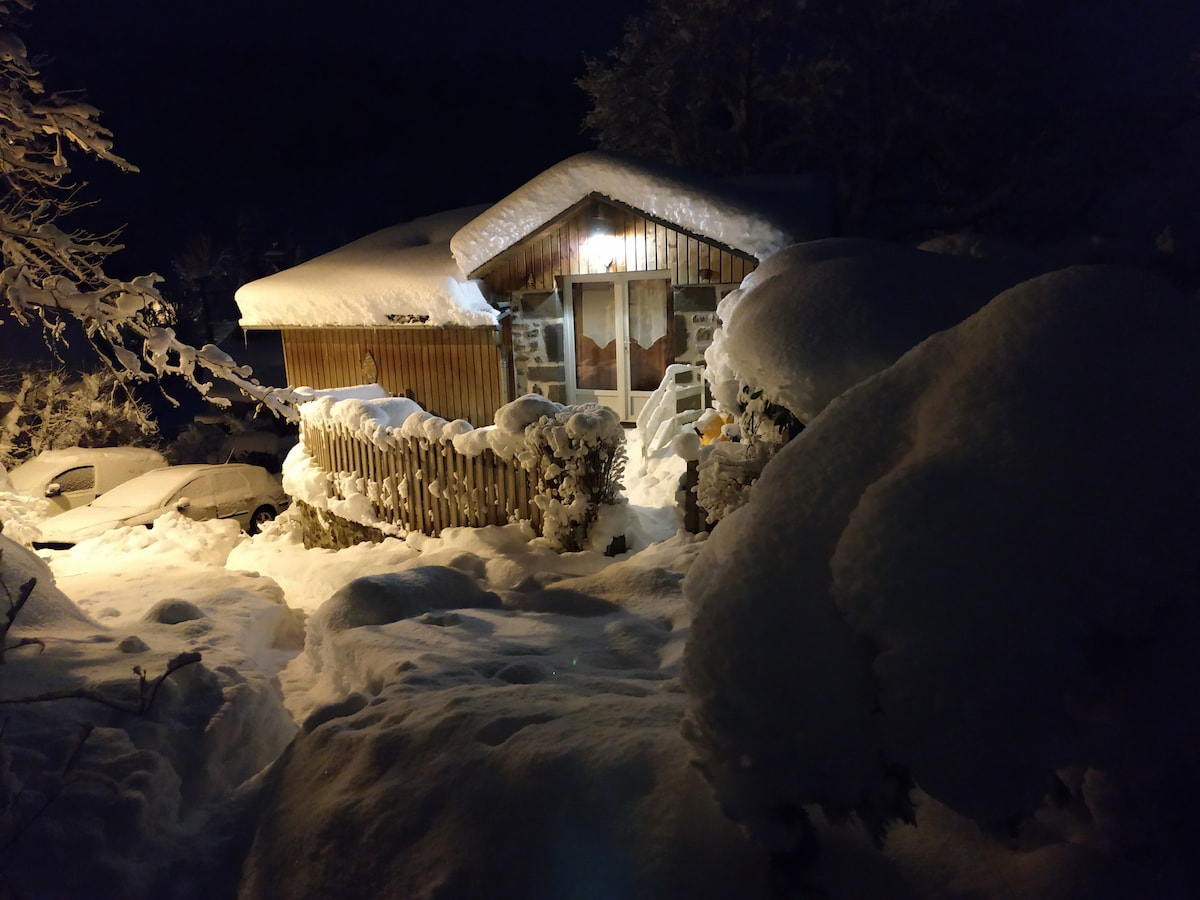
[582, 285]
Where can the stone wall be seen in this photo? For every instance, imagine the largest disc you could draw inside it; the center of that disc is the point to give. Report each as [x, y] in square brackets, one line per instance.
[325, 530]
[538, 354]
[695, 320]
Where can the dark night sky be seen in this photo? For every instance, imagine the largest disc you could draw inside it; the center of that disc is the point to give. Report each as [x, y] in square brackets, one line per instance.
[331, 121]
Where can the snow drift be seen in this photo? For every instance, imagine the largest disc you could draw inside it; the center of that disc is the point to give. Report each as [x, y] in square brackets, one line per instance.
[817, 318]
[975, 572]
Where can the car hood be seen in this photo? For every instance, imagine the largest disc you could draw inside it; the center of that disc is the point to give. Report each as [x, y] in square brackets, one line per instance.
[85, 522]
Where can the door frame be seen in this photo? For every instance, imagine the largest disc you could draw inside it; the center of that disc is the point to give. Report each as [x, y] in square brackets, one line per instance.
[628, 402]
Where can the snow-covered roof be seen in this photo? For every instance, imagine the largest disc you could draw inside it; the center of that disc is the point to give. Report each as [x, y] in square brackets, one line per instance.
[401, 274]
[733, 215]
[419, 272]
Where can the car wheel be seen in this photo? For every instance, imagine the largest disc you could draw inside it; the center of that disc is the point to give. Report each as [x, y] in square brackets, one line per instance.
[261, 517]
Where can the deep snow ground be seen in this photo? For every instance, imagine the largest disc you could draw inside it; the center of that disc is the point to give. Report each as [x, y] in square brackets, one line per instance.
[531, 749]
[977, 526]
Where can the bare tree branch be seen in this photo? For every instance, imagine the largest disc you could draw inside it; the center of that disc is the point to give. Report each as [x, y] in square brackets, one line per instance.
[146, 692]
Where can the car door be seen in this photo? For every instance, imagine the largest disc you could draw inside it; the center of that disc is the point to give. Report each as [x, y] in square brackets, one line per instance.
[234, 496]
[200, 495]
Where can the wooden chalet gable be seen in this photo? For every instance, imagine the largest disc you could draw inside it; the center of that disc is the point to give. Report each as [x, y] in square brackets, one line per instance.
[640, 243]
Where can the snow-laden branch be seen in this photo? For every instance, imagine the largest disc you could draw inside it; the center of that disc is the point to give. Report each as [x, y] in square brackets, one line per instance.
[51, 275]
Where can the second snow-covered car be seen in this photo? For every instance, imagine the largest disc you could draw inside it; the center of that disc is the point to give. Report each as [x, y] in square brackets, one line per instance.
[248, 494]
[77, 475]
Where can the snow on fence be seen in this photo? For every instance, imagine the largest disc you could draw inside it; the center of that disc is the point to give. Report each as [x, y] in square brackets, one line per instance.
[384, 463]
[425, 486]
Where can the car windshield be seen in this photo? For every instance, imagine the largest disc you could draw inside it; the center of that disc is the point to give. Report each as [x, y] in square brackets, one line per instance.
[146, 491]
[30, 477]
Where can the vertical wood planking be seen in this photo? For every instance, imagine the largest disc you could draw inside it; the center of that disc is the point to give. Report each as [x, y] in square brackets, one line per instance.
[489, 365]
[408, 503]
[481, 399]
[481, 490]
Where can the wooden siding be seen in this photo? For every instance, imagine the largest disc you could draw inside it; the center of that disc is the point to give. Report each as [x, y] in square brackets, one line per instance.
[643, 245]
[456, 373]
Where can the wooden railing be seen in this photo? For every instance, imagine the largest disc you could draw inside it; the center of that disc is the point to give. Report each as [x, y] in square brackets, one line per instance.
[425, 486]
[673, 404]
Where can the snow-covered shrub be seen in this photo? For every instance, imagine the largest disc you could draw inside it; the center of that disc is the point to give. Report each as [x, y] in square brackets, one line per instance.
[975, 571]
[49, 409]
[814, 320]
[255, 439]
[725, 475]
[21, 516]
[818, 318]
[578, 455]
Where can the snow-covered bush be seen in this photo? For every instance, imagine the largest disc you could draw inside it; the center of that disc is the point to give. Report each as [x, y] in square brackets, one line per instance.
[49, 409]
[254, 439]
[818, 318]
[578, 455]
[725, 475]
[814, 320]
[975, 571]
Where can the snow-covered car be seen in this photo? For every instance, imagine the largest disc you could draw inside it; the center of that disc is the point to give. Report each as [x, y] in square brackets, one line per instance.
[248, 494]
[76, 476]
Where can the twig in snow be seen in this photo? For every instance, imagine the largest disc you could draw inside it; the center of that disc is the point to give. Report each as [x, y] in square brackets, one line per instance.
[145, 695]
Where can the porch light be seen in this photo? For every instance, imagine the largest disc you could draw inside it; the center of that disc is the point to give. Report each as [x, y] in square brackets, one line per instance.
[600, 247]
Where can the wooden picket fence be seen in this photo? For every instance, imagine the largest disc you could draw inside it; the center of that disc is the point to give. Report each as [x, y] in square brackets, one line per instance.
[471, 491]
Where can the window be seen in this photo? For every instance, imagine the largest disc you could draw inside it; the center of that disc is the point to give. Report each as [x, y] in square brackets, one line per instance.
[81, 478]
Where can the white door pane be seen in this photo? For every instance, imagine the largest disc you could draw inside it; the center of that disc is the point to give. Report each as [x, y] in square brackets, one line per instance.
[595, 308]
[651, 335]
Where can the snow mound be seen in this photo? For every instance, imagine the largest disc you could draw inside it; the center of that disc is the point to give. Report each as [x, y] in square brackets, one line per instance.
[107, 797]
[47, 606]
[817, 318]
[391, 596]
[385, 598]
[525, 790]
[976, 569]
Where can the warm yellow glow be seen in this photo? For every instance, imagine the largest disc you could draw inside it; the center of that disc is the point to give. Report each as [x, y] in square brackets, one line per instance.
[599, 251]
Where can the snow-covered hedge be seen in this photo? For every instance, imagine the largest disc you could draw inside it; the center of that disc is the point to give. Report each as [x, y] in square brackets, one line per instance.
[974, 572]
[812, 321]
[573, 456]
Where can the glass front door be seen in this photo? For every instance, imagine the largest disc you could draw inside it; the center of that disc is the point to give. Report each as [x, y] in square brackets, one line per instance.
[623, 339]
